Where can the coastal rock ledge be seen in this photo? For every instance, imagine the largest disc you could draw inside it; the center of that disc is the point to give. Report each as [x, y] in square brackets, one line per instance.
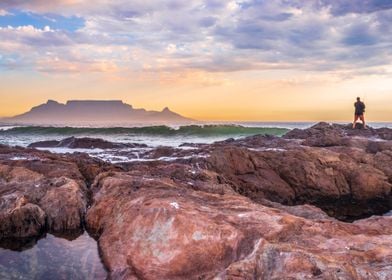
[307, 205]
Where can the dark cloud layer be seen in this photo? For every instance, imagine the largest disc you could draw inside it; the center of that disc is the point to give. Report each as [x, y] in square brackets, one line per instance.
[342, 7]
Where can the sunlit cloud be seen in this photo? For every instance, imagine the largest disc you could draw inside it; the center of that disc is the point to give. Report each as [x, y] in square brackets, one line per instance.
[56, 65]
[208, 35]
[4, 13]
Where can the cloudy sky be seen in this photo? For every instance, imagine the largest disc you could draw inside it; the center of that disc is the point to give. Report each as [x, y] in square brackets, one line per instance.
[206, 59]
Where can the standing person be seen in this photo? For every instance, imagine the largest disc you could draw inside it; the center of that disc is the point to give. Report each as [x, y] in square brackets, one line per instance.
[359, 112]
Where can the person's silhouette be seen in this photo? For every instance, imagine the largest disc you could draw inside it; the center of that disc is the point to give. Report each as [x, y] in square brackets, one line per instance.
[359, 112]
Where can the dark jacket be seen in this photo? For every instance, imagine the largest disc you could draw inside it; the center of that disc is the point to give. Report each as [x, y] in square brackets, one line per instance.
[359, 107]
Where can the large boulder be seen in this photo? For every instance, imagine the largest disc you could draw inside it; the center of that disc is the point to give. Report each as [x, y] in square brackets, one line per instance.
[250, 174]
[319, 135]
[40, 192]
[151, 228]
[346, 182]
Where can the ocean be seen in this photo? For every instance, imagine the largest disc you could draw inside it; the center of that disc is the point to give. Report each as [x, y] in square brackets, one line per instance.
[152, 135]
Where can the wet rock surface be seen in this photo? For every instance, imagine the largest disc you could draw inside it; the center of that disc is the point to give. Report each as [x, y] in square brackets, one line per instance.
[83, 143]
[261, 207]
[41, 192]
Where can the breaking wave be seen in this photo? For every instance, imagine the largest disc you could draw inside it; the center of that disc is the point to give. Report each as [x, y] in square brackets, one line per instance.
[165, 131]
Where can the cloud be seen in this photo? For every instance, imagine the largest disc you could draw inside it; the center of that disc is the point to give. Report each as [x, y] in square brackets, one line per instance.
[40, 5]
[201, 35]
[34, 37]
[343, 7]
[4, 13]
[56, 65]
[360, 35]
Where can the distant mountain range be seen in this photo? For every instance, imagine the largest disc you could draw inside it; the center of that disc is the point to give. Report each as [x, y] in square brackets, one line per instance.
[93, 112]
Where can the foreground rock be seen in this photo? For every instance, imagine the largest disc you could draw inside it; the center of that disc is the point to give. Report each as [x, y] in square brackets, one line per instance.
[153, 228]
[41, 192]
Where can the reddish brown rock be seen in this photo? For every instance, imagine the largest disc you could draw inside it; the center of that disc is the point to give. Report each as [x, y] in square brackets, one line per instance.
[325, 134]
[239, 209]
[150, 228]
[250, 174]
[40, 192]
[382, 161]
[65, 205]
[83, 143]
[21, 219]
[339, 181]
[162, 152]
[319, 135]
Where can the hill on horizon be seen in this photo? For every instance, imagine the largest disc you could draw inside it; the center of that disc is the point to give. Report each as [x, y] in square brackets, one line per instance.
[93, 112]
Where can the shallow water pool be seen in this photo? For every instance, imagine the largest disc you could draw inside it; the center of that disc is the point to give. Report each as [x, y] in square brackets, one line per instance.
[53, 258]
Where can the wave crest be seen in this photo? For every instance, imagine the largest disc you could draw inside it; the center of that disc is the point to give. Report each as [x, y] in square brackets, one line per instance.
[162, 130]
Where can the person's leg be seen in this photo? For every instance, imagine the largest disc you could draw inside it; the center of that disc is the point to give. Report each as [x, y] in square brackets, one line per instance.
[355, 120]
[363, 120]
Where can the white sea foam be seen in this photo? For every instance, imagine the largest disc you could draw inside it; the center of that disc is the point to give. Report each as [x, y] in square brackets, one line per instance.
[388, 213]
[119, 159]
[62, 150]
[267, 149]
[4, 128]
[19, 158]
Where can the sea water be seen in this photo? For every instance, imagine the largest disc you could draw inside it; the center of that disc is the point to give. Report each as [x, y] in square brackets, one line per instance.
[52, 258]
[152, 135]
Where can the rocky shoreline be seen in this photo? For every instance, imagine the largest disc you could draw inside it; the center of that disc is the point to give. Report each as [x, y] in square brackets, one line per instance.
[301, 206]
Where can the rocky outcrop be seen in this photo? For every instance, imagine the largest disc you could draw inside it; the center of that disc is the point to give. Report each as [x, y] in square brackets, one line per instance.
[83, 143]
[152, 228]
[343, 186]
[250, 174]
[348, 177]
[326, 134]
[40, 192]
[320, 135]
[261, 207]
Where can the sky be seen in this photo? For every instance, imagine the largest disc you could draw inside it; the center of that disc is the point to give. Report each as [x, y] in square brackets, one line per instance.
[245, 60]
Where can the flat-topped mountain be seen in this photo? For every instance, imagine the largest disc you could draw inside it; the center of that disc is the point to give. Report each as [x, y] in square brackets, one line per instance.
[93, 111]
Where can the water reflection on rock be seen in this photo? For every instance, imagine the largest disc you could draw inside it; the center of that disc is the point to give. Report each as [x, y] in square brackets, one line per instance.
[53, 258]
